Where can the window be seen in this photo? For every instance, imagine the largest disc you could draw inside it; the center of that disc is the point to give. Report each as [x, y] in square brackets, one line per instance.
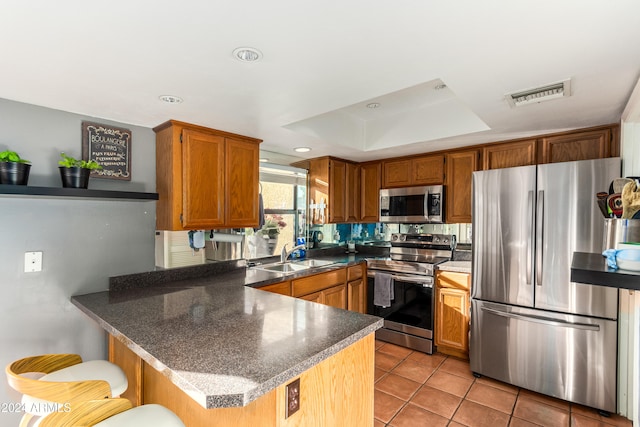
[284, 192]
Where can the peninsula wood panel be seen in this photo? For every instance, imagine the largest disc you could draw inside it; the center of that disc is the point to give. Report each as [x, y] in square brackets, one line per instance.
[336, 392]
[595, 144]
[460, 166]
[510, 154]
[132, 366]
[370, 175]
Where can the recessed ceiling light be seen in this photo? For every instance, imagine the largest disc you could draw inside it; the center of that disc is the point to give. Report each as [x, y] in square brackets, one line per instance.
[373, 105]
[170, 99]
[440, 86]
[302, 149]
[263, 160]
[247, 54]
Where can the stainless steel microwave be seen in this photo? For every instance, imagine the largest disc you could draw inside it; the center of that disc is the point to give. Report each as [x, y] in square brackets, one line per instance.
[412, 204]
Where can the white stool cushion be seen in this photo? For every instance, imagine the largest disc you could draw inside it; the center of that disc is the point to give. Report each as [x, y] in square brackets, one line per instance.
[146, 415]
[91, 370]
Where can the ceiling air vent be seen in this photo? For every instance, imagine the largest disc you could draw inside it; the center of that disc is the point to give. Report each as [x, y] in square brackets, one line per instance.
[540, 94]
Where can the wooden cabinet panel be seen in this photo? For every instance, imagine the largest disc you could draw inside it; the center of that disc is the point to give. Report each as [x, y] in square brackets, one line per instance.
[318, 192]
[370, 191]
[460, 166]
[317, 282]
[454, 280]
[282, 288]
[352, 190]
[595, 144]
[335, 296]
[356, 296]
[337, 191]
[510, 154]
[203, 199]
[396, 173]
[314, 297]
[452, 319]
[354, 272]
[241, 196]
[428, 170]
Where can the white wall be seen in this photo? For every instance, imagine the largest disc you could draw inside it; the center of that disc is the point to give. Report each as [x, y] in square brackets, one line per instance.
[84, 241]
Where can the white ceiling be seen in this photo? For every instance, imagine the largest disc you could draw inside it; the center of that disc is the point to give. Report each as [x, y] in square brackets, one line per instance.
[323, 62]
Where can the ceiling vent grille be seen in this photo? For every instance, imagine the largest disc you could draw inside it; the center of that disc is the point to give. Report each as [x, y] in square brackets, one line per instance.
[540, 94]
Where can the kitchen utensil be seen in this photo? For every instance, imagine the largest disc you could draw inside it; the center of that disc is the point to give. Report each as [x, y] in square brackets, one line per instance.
[618, 184]
[614, 202]
[602, 204]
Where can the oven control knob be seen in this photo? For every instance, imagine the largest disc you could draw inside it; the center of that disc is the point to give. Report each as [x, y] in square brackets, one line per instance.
[394, 237]
[436, 239]
[445, 240]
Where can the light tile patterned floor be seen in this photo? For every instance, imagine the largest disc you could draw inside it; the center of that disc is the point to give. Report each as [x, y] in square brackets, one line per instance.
[414, 389]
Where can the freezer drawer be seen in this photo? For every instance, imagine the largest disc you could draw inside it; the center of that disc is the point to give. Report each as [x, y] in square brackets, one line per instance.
[565, 356]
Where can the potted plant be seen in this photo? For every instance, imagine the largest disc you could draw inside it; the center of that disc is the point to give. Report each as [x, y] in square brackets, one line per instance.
[75, 173]
[13, 169]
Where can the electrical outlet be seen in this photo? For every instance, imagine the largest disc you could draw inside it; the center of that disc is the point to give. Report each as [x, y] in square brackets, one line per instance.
[293, 397]
[32, 262]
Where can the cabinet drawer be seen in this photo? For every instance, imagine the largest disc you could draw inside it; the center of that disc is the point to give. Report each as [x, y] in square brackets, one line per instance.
[452, 279]
[307, 285]
[354, 272]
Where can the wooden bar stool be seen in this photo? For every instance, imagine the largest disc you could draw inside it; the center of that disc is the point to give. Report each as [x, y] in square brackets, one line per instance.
[66, 380]
[111, 413]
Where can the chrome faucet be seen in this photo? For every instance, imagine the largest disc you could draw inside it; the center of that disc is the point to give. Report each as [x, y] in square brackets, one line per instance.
[284, 255]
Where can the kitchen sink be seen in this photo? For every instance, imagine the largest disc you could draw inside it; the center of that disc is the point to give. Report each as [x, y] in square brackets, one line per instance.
[282, 268]
[314, 262]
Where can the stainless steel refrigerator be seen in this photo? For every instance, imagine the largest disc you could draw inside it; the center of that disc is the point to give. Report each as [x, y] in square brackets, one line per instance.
[530, 325]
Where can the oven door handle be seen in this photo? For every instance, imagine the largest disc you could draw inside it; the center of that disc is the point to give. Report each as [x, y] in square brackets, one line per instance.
[425, 281]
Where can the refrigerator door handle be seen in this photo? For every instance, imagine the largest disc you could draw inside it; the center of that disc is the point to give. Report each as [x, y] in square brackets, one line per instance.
[539, 234]
[530, 253]
[543, 320]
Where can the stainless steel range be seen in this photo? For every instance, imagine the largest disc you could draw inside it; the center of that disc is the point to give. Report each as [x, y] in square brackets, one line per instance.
[408, 319]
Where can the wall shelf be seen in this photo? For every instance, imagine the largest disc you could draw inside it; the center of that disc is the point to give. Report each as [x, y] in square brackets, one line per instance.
[24, 190]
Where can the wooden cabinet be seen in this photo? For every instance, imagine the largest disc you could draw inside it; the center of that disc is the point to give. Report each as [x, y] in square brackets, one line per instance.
[334, 192]
[205, 178]
[452, 313]
[357, 288]
[423, 170]
[370, 191]
[352, 190]
[282, 288]
[460, 166]
[325, 288]
[335, 296]
[509, 154]
[593, 144]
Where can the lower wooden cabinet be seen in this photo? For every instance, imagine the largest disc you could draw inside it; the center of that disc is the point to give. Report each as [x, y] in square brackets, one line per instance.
[452, 313]
[341, 288]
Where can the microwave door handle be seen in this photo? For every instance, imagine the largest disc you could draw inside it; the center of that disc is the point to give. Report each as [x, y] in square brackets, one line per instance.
[427, 207]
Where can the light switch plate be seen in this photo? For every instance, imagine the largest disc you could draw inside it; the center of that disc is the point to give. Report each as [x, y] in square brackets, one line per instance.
[32, 262]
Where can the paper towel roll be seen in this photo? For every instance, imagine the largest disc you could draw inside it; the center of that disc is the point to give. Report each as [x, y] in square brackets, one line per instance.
[224, 237]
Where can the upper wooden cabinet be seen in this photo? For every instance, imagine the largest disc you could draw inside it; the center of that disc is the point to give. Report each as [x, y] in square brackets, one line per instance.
[460, 166]
[332, 194]
[587, 145]
[205, 178]
[423, 170]
[370, 191]
[509, 154]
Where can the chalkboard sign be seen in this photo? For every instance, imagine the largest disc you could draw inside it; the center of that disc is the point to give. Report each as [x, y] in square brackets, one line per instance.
[111, 147]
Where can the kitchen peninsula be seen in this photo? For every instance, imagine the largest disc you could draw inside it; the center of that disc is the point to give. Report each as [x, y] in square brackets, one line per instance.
[219, 352]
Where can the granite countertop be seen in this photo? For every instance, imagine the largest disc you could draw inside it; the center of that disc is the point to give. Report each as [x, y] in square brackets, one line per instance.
[592, 269]
[457, 266]
[220, 340]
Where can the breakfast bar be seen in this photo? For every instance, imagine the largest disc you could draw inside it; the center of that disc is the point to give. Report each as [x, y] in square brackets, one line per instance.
[218, 352]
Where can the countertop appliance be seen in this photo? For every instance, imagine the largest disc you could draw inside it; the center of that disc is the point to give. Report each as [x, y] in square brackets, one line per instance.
[530, 325]
[412, 204]
[408, 321]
